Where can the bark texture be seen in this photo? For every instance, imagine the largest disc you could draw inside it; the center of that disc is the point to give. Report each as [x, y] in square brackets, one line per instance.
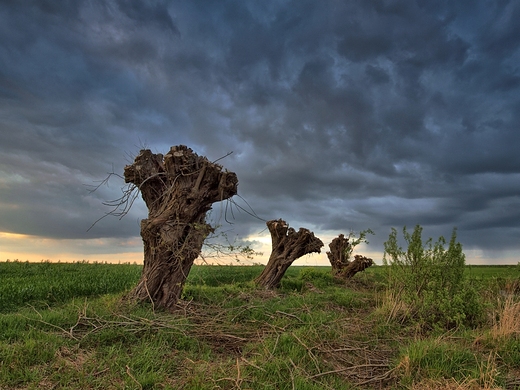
[178, 189]
[342, 267]
[287, 246]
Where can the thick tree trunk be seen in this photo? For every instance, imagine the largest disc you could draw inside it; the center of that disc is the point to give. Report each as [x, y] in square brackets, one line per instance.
[342, 267]
[178, 189]
[288, 245]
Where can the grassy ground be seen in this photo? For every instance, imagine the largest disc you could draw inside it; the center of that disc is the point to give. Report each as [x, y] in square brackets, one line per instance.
[67, 326]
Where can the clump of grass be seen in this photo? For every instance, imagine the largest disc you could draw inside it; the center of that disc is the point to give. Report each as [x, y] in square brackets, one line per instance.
[450, 384]
[429, 362]
[506, 319]
[392, 307]
[508, 322]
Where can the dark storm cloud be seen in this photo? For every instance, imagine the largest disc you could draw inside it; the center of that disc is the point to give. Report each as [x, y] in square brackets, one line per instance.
[341, 115]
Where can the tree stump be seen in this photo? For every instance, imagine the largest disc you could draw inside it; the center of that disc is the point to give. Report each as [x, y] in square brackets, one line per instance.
[288, 245]
[178, 189]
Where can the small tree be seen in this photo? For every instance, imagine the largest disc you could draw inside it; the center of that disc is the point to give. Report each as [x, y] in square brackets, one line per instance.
[429, 280]
[288, 245]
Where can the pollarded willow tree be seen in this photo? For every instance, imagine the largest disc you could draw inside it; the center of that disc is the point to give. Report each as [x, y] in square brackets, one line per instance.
[340, 256]
[287, 246]
[339, 253]
[178, 188]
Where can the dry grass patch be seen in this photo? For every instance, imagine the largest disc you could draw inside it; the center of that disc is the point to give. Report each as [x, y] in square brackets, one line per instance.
[392, 307]
[506, 318]
[451, 384]
[71, 357]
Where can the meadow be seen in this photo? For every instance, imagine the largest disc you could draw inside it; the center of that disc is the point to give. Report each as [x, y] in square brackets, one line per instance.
[69, 326]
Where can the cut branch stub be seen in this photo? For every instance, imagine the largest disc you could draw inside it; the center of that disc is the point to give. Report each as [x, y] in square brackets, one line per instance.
[178, 189]
[288, 245]
[360, 263]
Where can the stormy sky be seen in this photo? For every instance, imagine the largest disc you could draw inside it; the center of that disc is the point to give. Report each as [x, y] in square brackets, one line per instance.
[341, 116]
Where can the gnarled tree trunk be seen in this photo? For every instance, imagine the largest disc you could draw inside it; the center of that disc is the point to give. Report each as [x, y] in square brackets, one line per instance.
[288, 245]
[178, 189]
[339, 257]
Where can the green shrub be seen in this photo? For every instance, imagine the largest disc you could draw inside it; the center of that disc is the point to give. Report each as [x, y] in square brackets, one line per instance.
[430, 282]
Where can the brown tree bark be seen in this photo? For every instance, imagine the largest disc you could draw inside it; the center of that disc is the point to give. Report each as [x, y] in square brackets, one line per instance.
[342, 267]
[288, 245]
[178, 189]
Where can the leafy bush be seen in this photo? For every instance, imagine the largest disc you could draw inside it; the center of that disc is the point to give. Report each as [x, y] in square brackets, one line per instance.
[429, 281]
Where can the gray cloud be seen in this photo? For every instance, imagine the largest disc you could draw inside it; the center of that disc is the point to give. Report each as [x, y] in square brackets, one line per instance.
[340, 115]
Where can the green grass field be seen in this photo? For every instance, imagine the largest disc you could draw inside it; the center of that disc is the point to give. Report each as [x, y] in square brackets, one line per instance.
[67, 326]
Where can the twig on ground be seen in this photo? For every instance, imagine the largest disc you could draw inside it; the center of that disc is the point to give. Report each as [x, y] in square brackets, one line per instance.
[133, 377]
[309, 351]
[288, 315]
[251, 364]
[69, 334]
[348, 368]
